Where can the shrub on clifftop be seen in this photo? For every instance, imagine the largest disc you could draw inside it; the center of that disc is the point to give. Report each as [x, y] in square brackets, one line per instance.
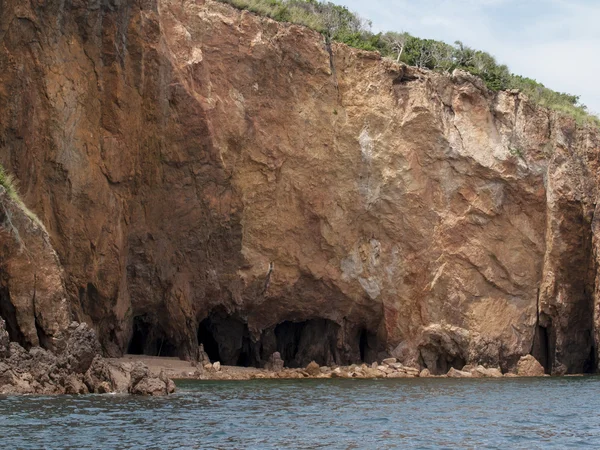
[338, 23]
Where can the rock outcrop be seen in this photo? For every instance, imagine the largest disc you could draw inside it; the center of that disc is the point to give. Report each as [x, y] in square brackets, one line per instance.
[41, 350]
[528, 366]
[77, 369]
[207, 176]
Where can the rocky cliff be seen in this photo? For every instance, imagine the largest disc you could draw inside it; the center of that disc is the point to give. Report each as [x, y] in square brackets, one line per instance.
[209, 176]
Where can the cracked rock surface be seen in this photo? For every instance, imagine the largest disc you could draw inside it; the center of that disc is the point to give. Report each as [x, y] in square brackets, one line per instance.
[204, 177]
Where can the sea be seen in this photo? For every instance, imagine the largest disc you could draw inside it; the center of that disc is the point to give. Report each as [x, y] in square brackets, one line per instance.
[428, 413]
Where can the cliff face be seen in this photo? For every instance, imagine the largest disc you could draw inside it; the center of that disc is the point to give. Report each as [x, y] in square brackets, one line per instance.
[209, 176]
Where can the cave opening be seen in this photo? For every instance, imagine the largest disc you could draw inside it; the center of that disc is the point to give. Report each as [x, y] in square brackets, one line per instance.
[206, 338]
[139, 336]
[367, 346]
[147, 339]
[362, 344]
[9, 314]
[541, 348]
[227, 339]
[439, 361]
[299, 343]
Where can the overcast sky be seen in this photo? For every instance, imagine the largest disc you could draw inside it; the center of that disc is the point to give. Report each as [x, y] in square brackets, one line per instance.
[556, 42]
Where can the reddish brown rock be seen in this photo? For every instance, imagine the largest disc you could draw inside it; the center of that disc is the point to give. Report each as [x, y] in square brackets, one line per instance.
[528, 366]
[313, 369]
[204, 173]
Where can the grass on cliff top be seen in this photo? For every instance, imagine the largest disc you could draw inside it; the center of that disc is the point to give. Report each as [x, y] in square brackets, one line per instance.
[338, 23]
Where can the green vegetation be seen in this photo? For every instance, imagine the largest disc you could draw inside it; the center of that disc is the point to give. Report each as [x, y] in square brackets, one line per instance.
[516, 151]
[339, 24]
[8, 182]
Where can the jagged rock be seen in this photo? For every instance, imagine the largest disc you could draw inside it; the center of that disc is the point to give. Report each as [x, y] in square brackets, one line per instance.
[33, 284]
[149, 386]
[478, 173]
[217, 366]
[138, 373]
[74, 385]
[370, 372]
[486, 372]
[202, 355]
[275, 362]
[142, 382]
[98, 378]
[313, 369]
[528, 366]
[171, 388]
[398, 375]
[4, 340]
[453, 373]
[120, 375]
[81, 348]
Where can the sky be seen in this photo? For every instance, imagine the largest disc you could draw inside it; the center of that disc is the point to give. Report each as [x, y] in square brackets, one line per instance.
[556, 42]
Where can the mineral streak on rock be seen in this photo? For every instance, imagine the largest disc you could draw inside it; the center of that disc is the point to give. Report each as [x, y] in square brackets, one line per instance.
[204, 180]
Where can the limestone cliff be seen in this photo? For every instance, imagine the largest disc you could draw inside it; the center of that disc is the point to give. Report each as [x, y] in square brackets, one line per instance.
[210, 176]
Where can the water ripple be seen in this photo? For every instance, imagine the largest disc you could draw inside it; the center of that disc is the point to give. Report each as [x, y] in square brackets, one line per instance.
[346, 414]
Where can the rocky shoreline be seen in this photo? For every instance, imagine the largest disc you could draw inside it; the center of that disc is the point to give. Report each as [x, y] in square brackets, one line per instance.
[528, 366]
[76, 368]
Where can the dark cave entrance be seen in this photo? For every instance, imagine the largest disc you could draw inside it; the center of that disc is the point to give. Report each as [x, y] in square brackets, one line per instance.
[299, 343]
[148, 339]
[362, 344]
[541, 348]
[227, 339]
[9, 314]
[367, 346]
[438, 360]
[206, 338]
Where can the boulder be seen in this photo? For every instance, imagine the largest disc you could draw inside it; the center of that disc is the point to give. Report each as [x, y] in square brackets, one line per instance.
[275, 362]
[313, 369]
[98, 377]
[144, 383]
[389, 361]
[424, 373]
[81, 348]
[138, 373]
[150, 387]
[453, 373]
[4, 340]
[74, 385]
[528, 366]
[217, 366]
[398, 375]
[202, 355]
[487, 373]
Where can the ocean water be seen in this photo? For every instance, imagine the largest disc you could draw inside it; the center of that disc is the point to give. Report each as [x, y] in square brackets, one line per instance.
[346, 414]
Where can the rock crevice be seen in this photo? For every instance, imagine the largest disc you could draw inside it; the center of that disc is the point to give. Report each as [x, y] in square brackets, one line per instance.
[203, 181]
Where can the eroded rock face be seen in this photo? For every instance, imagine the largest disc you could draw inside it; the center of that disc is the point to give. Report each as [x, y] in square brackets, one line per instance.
[77, 369]
[33, 298]
[195, 163]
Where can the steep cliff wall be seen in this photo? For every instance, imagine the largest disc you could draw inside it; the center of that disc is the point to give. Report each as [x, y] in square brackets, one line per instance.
[207, 175]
